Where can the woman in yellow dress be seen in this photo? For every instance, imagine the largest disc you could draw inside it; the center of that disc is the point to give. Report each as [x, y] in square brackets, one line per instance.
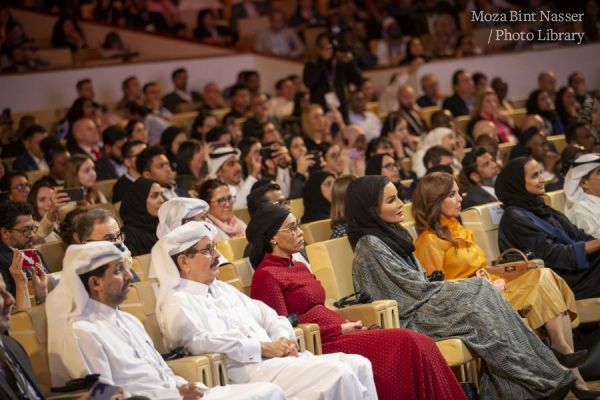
[443, 244]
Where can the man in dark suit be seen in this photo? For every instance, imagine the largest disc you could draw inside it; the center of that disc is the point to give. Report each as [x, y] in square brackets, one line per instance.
[153, 164]
[33, 157]
[461, 102]
[84, 139]
[17, 380]
[17, 230]
[481, 170]
[111, 166]
[180, 94]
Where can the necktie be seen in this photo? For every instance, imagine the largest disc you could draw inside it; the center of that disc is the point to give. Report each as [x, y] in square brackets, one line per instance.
[95, 153]
[14, 376]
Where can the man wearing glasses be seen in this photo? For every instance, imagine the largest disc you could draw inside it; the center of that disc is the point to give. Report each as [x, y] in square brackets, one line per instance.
[17, 231]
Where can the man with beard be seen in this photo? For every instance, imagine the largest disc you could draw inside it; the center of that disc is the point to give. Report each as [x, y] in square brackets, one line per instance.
[88, 334]
[17, 230]
[481, 170]
[110, 165]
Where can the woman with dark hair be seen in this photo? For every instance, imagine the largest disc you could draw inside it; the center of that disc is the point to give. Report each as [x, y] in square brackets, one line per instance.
[384, 164]
[443, 244]
[81, 173]
[517, 365]
[250, 148]
[415, 53]
[203, 123]
[338, 202]
[81, 108]
[68, 33]
[529, 225]
[68, 226]
[190, 160]
[317, 196]
[539, 102]
[45, 201]
[170, 139]
[220, 212]
[139, 213]
[136, 131]
[289, 287]
[15, 186]
[209, 32]
[566, 106]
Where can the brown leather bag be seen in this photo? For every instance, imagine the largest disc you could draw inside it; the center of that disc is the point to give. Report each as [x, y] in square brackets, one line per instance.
[512, 270]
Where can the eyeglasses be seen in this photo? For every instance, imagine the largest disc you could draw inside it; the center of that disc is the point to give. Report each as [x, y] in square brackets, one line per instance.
[22, 186]
[207, 251]
[390, 166]
[281, 203]
[293, 228]
[26, 230]
[222, 201]
[118, 238]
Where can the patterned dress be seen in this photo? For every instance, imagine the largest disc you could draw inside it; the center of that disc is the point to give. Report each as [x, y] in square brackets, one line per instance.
[516, 364]
[406, 365]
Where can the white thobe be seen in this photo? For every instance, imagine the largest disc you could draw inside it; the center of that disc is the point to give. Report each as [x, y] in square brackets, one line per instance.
[585, 214]
[115, 345]
[217, 318]
[242, 191]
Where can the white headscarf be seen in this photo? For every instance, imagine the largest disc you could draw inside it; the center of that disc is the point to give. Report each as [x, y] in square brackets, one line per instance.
[68, 300]
[432, 138]
[174, 242]
[217, 158]
[172, 213]
[580, 168]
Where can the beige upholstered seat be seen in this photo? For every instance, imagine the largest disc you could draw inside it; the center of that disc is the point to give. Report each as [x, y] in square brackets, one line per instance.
[232, 249]
[317, 231]
[556, 200]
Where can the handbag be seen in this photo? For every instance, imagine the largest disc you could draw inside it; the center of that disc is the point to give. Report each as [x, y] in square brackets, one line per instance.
[512, 270]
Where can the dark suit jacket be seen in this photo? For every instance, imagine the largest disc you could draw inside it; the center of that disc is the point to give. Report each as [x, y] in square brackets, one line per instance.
[120, 188]
[171, 100]
[105, 169]
[456, 105]
[181, 192]
[24, 162]
[6, 256]
[425, 101]
[477, 196]
[18, 354]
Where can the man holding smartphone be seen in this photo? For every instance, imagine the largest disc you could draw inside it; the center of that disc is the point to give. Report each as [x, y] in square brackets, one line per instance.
[18, 261]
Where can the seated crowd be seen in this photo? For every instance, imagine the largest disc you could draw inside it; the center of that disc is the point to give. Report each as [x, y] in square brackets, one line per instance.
[111, 187]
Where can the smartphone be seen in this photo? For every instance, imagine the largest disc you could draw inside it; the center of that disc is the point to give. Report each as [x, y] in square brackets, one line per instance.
[104, 391]
[317, 158]
[266, 153]
[75, 194]
[30, 258]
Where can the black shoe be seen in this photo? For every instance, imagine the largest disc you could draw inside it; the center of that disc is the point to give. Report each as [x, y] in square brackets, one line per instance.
[585, 394]
[571, 360]
[469, 389]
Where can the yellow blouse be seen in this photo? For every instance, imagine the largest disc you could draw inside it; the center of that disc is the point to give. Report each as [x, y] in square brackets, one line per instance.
[437, 254]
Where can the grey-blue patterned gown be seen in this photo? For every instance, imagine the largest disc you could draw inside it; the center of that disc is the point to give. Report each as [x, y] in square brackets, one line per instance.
[517, 364]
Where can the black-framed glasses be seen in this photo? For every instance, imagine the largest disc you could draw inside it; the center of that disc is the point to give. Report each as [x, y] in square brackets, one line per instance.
[282, 203]
[118, 238]
[223, 201]
[26, 230]
[22, 186]
[390, 166]
[208, 251]
[294, 228]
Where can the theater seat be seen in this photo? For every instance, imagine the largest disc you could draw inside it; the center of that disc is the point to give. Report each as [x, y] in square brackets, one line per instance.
[141, 266]
[232, 249]
[106, 188]
[588, 310]
[141, 303]
[331, 262]
[317, 231]
[53, 253]
[297, 207]
[556, 200]
[242, 213]
[483, 220]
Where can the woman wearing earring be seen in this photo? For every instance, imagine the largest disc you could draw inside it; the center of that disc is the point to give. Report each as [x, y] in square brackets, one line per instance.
[517, 365]
[406, 365]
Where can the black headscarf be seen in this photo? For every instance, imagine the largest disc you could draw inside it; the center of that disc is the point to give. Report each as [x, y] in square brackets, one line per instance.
[166, 140]
[363, 199]
[264, 224]
[133, 208]
[316, 207]
[374, 165]
[510, 189]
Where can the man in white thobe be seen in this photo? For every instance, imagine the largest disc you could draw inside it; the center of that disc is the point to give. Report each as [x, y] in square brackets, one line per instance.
[582, 189]
[203, 314]
[97, 338]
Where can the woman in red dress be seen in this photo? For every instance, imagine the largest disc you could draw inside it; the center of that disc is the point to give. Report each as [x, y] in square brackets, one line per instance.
[406, 364]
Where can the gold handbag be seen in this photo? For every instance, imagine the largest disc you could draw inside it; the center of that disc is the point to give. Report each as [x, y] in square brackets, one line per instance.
[512, 270]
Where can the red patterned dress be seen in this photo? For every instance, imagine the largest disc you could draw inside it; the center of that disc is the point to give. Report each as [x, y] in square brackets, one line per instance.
[406, 364]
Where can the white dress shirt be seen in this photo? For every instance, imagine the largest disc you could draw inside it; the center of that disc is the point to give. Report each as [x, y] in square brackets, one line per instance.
[369, 122]
[242, 191]
[217, 318]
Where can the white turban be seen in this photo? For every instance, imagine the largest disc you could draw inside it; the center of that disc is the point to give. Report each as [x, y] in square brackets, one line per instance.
[68, 300]
[582, 166]
[218, 157]
[174, 242]
[172, 213]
